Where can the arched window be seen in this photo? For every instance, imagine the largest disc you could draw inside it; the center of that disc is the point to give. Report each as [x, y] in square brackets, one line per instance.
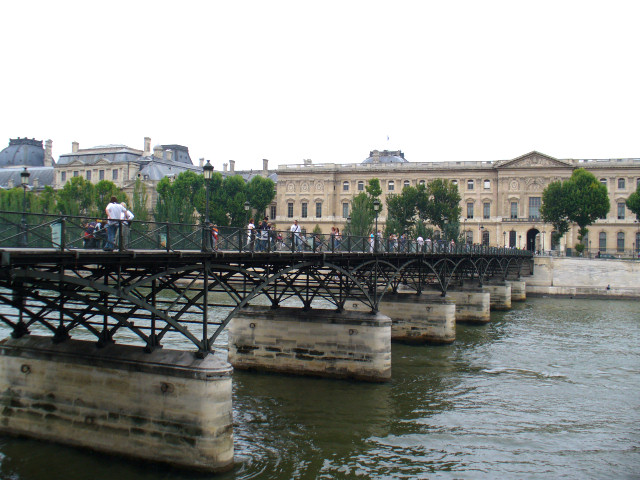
[360, 185]
[406, 183]
[469, 184]
[345, 186]
[603, 181]
[391, 186]
[421, 182]
[620, 242]
[602, 241]
[621, 183]
[487, 184]
[454, 182]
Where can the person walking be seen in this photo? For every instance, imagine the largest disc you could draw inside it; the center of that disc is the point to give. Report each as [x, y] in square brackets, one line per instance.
[127, 216]
[114, 213]
[295, 234]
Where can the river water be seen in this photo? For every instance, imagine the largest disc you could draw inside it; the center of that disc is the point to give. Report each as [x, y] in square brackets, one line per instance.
[550, 389]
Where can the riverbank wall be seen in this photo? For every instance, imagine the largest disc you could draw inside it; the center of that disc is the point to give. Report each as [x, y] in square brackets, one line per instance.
[584, 277]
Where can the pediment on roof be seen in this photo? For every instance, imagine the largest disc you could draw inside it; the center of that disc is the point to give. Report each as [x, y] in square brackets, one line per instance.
[535, 160]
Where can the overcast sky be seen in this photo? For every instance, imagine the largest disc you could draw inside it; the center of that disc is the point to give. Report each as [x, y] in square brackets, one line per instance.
[329, 81]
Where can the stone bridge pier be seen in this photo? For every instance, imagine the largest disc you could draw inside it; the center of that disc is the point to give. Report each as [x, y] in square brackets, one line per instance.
[166, 406]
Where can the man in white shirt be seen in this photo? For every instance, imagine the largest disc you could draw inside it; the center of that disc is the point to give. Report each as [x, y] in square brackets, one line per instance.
[127, 216]
[114, 213]
[295, 230]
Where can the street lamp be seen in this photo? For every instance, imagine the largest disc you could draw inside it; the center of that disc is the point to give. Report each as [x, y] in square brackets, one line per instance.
[504, 239]
[208, 171]
[466, 240]
[24, 179]
[481, 242]
[519, 238]
[376, 208]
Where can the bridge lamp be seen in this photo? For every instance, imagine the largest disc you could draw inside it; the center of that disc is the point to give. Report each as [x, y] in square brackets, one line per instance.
[24, 180]
[504, 239]
[208, 172]
[376, 208]
[481, 230]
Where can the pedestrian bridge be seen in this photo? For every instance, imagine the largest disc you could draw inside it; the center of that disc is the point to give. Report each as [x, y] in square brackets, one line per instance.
[169, 277]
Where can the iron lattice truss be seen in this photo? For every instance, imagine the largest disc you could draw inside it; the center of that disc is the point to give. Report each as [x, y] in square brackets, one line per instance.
[150, 295]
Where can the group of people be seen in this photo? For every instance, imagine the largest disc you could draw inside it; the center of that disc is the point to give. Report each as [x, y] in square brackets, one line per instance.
[103, 233]
[262, 237]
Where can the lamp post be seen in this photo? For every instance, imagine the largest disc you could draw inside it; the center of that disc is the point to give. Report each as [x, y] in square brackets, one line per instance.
[466, 240]
[376, 208]
[348, 233]
[481, 232]
[519, 239]
[208, 171]
[24, 179]
[504, 239]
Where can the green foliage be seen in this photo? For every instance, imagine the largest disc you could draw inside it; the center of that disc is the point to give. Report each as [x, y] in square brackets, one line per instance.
[633, 202]
[177, 200]
[373, 188]
[317, 230]
[401, 211]
[77, 197]
[260, 193]
[439, 203]
[581, 199]
[139, 201]
[362, 216]
[554, 209]
[102, 193]
[233, 189]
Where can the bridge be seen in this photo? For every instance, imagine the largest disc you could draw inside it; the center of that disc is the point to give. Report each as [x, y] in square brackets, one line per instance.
[166, 280]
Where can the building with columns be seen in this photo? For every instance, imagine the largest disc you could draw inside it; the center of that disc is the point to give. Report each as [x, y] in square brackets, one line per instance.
[500, 203]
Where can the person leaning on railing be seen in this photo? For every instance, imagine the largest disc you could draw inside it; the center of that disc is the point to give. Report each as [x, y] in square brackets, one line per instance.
[114, 212]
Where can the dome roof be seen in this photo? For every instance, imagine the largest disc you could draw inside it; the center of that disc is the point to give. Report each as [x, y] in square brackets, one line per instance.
[385, 156]
[22, 152]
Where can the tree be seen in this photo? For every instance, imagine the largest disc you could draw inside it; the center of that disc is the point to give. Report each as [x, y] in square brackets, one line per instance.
[233, 189]
[362, 213]
[76, 197]
[554, 209]
[102, 193]
[439, 204]
[139, 201]
[633, 202]
[177, 199]
[260, 193]
[581, 199]
[401, 210]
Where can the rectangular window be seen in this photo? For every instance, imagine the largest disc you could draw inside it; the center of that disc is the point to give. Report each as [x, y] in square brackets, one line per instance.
[621, 183]
[487, 184]
[273, 212]
[63, 177]
[114, 174]
[514, 210]
[345, 210]
[360, 186]
[76, 173]
[534, 207]
[620, 242]
[101, 174]
[512, 239]
[290, 210]
[304, 210]
[345, 186]
[392, 186]
[486, 210]
[602, 242]
[469, 184]
[621, 211]
[89, 175]
[470, 210]
[318, 209]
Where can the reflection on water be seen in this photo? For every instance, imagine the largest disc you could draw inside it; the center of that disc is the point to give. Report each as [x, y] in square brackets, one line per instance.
[548, 389]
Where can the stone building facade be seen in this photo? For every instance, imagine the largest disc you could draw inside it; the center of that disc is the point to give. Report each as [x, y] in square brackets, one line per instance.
[500, 199]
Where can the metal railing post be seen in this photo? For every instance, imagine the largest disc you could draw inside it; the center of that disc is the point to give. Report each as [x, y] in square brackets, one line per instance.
[168, 235]
[120, 242]
[63, 233]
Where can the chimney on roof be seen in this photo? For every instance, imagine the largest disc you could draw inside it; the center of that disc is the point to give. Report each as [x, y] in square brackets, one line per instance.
[224, 167]
[75, 146]
[265, 165]
[232, 166]
[169, 154]
[147, 146]
[201, 162]
[157, 151]
[48, 156]
[307, 161]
